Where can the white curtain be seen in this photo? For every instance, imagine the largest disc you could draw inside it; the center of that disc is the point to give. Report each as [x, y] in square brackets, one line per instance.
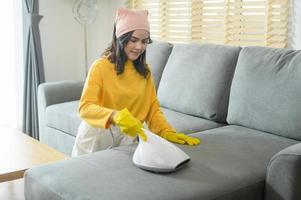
[295, 33]
[11, 62]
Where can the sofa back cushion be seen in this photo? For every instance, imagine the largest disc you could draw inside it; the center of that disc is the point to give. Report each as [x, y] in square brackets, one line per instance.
[157, 54]
[196, 80]
[266, 91]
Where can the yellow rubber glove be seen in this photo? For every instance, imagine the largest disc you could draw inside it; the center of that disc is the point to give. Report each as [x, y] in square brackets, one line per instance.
[180, 138]
[128, 124]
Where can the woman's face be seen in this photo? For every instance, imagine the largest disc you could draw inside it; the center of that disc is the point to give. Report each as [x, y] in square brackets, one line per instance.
[137, 44]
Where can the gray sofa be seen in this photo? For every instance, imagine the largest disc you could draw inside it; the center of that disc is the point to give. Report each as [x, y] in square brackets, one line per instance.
[244, 104]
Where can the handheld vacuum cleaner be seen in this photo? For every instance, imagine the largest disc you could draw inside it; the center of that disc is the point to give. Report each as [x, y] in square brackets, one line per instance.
[158, 155]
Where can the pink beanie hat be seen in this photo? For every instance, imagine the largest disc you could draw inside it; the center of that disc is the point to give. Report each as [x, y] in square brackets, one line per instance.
[128, 20]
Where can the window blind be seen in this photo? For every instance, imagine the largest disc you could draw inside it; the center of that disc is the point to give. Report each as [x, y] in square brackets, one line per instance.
[233, 22]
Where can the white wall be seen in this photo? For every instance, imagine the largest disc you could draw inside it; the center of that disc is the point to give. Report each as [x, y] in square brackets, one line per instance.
[101, 31]
[62, 38]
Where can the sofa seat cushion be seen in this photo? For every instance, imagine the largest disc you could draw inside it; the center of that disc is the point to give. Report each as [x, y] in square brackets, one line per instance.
[64, 117]
[265, 92]
[230, 163]
[188, 123]
[196, 80]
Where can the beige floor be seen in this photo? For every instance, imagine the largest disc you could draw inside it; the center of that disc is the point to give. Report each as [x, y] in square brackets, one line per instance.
[12, 190]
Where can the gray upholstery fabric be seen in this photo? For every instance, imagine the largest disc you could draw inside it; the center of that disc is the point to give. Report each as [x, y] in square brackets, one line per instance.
[196, 80]
[59, 140]
[157, 54]
[60, 91]
[231, 161]
[283, 180]
[53, 93]
[187, 123]
[64, 117]
[265, 92]
[229, 164]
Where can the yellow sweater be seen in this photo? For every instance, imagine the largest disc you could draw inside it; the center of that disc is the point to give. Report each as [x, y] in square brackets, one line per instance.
[104, 92]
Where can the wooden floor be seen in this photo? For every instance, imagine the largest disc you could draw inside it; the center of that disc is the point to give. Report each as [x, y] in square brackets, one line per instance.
[12, 190]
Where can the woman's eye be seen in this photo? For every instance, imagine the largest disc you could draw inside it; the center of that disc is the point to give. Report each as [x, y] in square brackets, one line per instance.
[133, 40]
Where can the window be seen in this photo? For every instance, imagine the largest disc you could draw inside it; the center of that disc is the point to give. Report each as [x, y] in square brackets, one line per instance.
[233, 22]
[11, 51]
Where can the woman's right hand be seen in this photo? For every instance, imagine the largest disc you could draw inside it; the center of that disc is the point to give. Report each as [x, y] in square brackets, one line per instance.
[181, 138]
[128, 124]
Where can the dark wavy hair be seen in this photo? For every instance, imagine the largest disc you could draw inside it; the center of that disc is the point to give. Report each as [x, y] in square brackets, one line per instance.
[116, 54]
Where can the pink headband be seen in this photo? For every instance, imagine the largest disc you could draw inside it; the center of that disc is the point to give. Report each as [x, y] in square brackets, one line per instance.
[128, 20]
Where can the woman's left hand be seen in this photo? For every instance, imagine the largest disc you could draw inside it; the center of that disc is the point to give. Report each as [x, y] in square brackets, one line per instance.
[180, 138]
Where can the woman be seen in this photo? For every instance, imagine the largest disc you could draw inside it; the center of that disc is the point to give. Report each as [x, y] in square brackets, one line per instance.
[119, 93]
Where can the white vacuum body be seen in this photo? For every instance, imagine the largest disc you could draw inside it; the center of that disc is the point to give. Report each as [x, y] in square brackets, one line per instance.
[158, 155]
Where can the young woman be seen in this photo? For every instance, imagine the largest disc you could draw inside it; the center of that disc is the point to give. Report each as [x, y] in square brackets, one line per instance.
[119, 93]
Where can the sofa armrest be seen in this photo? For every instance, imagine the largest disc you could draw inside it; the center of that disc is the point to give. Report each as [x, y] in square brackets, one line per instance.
[53, 93]
[283, 181]
[59, 92]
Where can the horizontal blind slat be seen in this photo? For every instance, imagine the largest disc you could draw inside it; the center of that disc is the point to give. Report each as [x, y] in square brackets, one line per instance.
[233, 22]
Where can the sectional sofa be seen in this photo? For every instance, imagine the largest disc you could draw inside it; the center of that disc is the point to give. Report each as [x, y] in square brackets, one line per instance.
[243, 103]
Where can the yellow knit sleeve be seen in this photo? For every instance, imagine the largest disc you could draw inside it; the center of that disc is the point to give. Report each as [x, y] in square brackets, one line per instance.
[155, 119]
[89, 105]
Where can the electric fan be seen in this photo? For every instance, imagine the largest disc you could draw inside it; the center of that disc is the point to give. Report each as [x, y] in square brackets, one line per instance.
[85, 12]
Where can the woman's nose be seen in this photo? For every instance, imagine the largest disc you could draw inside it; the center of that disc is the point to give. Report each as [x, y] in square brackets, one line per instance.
[139, 45]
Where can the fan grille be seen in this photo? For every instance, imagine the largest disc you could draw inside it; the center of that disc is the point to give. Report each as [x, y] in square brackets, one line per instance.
[85, 11]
